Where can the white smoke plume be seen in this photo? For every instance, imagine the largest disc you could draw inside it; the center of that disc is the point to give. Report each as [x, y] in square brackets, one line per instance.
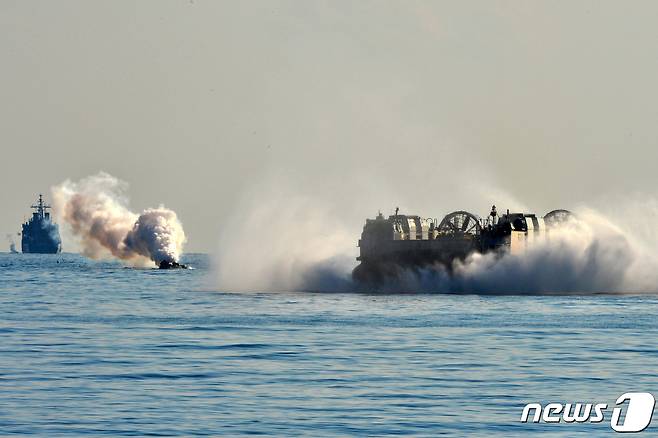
[96, 211]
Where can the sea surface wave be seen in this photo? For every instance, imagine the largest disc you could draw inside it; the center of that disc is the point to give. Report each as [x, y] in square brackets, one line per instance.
[96, 349]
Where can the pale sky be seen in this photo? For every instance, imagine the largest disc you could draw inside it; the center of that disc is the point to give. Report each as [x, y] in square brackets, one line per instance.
[553, 103]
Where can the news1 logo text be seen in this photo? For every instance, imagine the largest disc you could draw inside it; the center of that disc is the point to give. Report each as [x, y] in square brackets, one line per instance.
[636, 407]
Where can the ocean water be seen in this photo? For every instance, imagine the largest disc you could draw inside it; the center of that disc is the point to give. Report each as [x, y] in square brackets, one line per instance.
[93, 348]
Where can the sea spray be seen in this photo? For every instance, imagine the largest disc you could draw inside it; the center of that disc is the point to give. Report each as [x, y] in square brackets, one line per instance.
[96, 211]
[282, 241]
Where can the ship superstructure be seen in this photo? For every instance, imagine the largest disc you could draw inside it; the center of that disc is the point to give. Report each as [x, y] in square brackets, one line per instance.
[409, 241]
[40, 234]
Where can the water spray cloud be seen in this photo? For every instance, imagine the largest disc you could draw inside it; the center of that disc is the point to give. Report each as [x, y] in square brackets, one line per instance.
[283, 242]
[95, 209]
[303, 245]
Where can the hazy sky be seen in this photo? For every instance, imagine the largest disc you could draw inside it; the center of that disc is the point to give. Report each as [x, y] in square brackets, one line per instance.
[191, 102]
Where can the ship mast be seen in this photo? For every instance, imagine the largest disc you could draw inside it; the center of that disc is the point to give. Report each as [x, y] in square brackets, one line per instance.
[41, 206]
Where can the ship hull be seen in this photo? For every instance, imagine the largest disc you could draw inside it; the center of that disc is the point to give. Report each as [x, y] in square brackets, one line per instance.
[383, 260]
[40, 246]
[40, 237]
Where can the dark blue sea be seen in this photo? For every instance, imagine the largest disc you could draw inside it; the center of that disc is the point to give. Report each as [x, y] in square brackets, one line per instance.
[92, 348]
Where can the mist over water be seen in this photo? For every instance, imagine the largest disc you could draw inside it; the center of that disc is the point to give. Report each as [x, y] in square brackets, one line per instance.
[288, 242]
[10, 241]
[283, 241]
[96, 212]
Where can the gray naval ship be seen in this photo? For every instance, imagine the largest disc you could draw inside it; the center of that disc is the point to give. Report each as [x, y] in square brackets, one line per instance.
[402, 242]
[40, 234]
